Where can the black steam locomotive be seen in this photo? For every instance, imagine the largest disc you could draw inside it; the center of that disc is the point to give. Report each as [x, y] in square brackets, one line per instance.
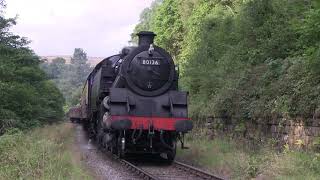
[131, 102]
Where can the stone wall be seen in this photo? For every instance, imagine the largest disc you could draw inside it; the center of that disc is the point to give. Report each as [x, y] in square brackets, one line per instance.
[298, 132]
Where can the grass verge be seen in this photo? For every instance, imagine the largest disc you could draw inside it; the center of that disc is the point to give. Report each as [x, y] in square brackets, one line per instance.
[234, 160]
[44, 153]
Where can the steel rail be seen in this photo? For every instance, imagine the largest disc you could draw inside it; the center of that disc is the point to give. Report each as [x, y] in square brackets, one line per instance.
[142, 173]
[184, 167]
[196, 171]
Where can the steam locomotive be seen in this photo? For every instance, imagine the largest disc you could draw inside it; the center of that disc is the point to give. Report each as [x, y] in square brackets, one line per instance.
[131, 103]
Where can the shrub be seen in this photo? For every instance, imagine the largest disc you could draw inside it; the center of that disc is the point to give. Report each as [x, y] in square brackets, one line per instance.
[44, 153]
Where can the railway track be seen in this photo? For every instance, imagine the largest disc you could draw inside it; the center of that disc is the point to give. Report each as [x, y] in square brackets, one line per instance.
[145, 167]
[140, 172]
[175, 171]
[196, 171]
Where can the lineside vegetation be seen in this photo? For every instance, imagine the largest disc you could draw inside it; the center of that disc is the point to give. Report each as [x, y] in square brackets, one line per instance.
[240, 58]
[28, 98]
[238, 159]
[248, 61]
[44, 153]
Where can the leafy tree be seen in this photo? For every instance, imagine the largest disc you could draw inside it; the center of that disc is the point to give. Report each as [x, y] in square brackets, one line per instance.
[145, 20]
[54, 69]
[69, 78]
[28, 99]
[79, 56]
[79, 66]
[246, 59]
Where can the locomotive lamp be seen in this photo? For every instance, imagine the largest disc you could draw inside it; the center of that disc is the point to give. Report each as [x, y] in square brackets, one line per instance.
[106, 102]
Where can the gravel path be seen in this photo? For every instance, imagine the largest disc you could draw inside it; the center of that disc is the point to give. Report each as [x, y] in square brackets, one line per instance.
[101, 166]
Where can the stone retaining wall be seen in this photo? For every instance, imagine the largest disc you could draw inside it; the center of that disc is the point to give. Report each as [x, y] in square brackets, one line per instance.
[296, 132]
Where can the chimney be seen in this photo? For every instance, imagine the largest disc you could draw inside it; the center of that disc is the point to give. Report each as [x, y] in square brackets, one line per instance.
[146, 38]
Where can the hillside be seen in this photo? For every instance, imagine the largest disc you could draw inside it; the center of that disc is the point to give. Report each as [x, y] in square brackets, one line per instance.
[91, 60]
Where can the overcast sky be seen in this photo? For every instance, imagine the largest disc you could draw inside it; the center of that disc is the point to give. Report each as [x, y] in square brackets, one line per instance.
[56, 27]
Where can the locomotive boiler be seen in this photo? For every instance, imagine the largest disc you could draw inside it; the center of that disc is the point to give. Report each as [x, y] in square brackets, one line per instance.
[131, 102]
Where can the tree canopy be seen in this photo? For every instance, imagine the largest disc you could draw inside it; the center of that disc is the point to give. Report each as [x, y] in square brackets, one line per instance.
[69, 78]
[28, 98]
[248, 59]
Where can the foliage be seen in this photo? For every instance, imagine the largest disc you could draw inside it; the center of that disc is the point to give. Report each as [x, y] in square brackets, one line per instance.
[243, 58]
[28, 99]
[232, 159]
[69, 78]
[44, 153]
[145, 20]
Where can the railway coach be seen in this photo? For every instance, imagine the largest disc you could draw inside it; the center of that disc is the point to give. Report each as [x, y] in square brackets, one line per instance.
[74, 114]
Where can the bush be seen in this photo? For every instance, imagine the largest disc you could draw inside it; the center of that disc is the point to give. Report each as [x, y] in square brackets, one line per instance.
[28, 98]
[233, 159]
[42, 154]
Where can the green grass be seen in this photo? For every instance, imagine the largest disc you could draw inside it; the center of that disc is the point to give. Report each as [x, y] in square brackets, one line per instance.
[234, 160]
[44, 153]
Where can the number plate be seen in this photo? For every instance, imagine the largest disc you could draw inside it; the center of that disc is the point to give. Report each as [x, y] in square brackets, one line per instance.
[151, 62]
